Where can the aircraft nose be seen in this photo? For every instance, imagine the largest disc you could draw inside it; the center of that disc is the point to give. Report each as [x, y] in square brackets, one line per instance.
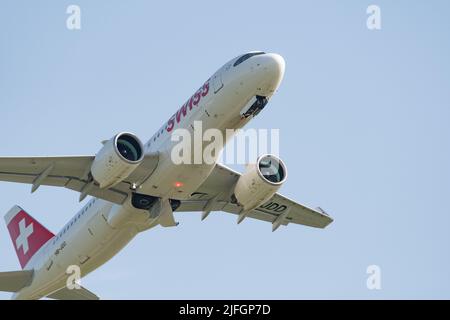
[273, 71]
[275, 65]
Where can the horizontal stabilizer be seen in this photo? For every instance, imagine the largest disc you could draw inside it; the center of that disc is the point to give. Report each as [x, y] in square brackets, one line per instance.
[14, 281]
[73, 294]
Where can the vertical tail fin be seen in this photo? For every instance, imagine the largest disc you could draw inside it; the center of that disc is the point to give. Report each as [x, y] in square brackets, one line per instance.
[27, 234]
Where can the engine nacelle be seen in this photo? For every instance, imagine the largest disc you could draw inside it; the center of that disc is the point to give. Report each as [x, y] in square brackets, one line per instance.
[118, 158]
[260, 182]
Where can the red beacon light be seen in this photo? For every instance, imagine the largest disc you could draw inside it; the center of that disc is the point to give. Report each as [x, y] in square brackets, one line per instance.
[178, 184]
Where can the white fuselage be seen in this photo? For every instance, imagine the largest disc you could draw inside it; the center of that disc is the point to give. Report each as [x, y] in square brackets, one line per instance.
[101, 229]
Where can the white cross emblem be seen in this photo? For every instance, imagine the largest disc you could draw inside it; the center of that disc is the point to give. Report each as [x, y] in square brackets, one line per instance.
[24, 233]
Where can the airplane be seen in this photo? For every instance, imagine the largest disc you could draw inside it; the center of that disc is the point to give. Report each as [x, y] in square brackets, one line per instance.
[135, 186]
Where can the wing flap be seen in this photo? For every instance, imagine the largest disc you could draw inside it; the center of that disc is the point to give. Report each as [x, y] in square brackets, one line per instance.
[29, 179]
[65, 166]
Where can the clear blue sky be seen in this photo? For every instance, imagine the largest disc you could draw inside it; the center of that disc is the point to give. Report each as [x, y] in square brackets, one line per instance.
[365, 132]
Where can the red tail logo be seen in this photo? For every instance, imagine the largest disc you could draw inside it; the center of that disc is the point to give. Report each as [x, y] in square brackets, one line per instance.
[27, 234]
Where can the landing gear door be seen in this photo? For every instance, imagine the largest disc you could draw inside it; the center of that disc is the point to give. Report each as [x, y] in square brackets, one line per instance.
[217, 82]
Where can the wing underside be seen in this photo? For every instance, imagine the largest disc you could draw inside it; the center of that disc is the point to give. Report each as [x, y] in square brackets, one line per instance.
[71, 172]
[215, 194]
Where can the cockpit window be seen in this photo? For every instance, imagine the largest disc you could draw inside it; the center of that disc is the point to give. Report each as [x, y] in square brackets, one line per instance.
[246, 56]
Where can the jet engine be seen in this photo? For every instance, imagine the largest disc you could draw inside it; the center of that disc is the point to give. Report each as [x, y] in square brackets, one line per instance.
[118, 158]
[260, 182]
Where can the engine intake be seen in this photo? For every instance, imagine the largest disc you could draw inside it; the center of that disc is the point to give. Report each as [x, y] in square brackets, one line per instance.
[260, 182]
[118, 158]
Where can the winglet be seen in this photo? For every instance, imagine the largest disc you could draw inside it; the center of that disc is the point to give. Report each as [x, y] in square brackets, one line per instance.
[322, 211]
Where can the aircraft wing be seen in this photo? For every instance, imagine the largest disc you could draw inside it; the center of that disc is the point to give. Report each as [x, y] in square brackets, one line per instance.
[71, 172]
[215, 195]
